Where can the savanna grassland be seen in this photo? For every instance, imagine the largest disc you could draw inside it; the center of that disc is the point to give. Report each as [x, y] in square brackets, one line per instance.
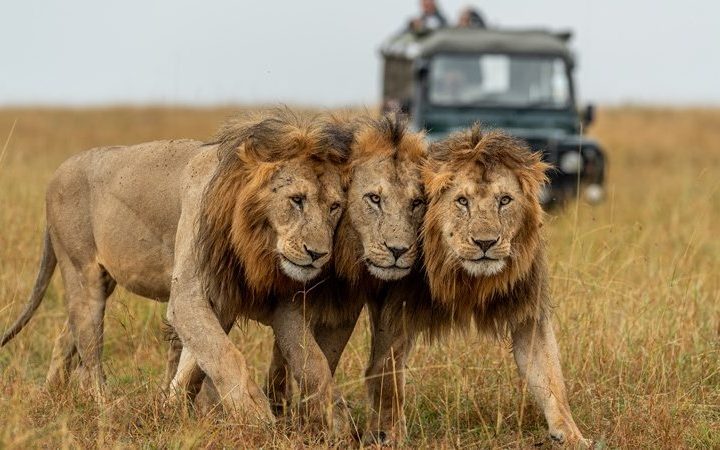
[635, 282]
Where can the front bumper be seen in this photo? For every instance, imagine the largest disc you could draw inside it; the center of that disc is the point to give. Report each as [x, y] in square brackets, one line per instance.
[576, 173]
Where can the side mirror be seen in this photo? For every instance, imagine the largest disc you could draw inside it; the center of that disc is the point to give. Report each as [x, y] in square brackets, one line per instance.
[588, 115]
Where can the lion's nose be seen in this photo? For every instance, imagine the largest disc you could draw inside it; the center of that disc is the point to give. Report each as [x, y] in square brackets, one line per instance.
[485, 244]
[397, 251]
[313, 254]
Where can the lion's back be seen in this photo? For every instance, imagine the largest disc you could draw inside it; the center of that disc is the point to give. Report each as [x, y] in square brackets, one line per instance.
[120, 206]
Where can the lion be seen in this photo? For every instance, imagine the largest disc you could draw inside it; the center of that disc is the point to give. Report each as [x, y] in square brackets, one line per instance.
[221, 230]
[484, 262]
[376, 244]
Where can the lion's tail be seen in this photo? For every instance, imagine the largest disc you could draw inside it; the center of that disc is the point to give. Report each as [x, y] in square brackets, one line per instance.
[47, 268]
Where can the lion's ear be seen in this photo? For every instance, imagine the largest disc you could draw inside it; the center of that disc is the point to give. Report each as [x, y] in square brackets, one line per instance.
[337, 137]
[533, 174]
[439, 152]
[475, 134]
[265, 140]
[251, 150]
[540, 171]
[435, 178]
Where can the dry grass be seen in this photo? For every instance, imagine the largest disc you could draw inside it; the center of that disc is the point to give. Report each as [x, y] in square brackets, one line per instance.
[635, 282]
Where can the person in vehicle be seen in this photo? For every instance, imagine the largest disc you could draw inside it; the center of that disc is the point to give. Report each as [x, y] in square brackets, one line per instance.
[471, 18]
[430, 19]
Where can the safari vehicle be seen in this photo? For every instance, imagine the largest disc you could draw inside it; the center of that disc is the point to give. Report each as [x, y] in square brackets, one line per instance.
[519, 81]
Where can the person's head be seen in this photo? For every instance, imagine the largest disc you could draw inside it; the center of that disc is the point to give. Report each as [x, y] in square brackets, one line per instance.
[428, 6]
[471, 18]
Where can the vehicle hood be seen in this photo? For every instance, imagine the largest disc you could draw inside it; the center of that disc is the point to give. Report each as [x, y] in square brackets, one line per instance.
[533, 124]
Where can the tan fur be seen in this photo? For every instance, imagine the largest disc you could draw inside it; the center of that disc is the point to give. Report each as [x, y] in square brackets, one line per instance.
[386, 160]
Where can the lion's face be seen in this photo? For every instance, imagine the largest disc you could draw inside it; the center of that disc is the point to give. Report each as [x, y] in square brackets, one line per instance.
[386, 207]
[482, 213]
[481, 232]
[304, 204]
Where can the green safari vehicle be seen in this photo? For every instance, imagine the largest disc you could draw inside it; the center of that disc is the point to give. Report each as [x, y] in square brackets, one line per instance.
[519, 81]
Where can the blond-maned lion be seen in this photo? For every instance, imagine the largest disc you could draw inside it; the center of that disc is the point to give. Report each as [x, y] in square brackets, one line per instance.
[484, 261]
[220, 230]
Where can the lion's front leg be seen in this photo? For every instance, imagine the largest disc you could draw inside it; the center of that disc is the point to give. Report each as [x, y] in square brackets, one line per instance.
[187, 379]
[306, 361]
[216, 355]
[173, 360]
[203, 335]
[332, 341]
[538, 361]
[279, 385]
[385, 379]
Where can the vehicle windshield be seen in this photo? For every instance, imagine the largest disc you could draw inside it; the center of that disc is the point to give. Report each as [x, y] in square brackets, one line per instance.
[499, 80]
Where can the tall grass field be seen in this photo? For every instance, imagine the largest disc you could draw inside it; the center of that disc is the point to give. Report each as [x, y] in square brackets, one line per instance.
[635, 283]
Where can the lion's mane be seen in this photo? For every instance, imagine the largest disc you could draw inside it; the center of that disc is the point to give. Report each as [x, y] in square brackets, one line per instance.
[519, 292]
[235, 243]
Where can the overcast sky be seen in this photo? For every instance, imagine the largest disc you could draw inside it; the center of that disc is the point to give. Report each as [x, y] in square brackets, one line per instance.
[324, 52]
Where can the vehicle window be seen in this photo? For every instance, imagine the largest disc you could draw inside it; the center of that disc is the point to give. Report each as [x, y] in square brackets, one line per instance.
[495, 79]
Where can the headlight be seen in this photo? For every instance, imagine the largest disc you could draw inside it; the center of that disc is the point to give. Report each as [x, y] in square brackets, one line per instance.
[571, 162]
[594, 193]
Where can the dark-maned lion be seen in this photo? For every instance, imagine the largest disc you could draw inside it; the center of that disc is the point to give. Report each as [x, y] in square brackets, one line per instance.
[260, 227]
[484, 262]
[220, 230]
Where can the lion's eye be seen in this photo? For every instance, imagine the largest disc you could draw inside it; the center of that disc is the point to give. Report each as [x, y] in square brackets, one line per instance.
[334, 206]
[505, 199]
[297, 200]
[462, 201]
[374, 198]
[417, 202]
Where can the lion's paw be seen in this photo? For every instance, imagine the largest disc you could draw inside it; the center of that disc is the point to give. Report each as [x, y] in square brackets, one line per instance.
[377, 438]
[385, 438]
[571, 440]
[257, 407]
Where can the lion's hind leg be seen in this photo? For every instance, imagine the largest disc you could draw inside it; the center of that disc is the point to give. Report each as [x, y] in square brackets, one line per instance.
[86, 290]
[385, 379]
[63, 361]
